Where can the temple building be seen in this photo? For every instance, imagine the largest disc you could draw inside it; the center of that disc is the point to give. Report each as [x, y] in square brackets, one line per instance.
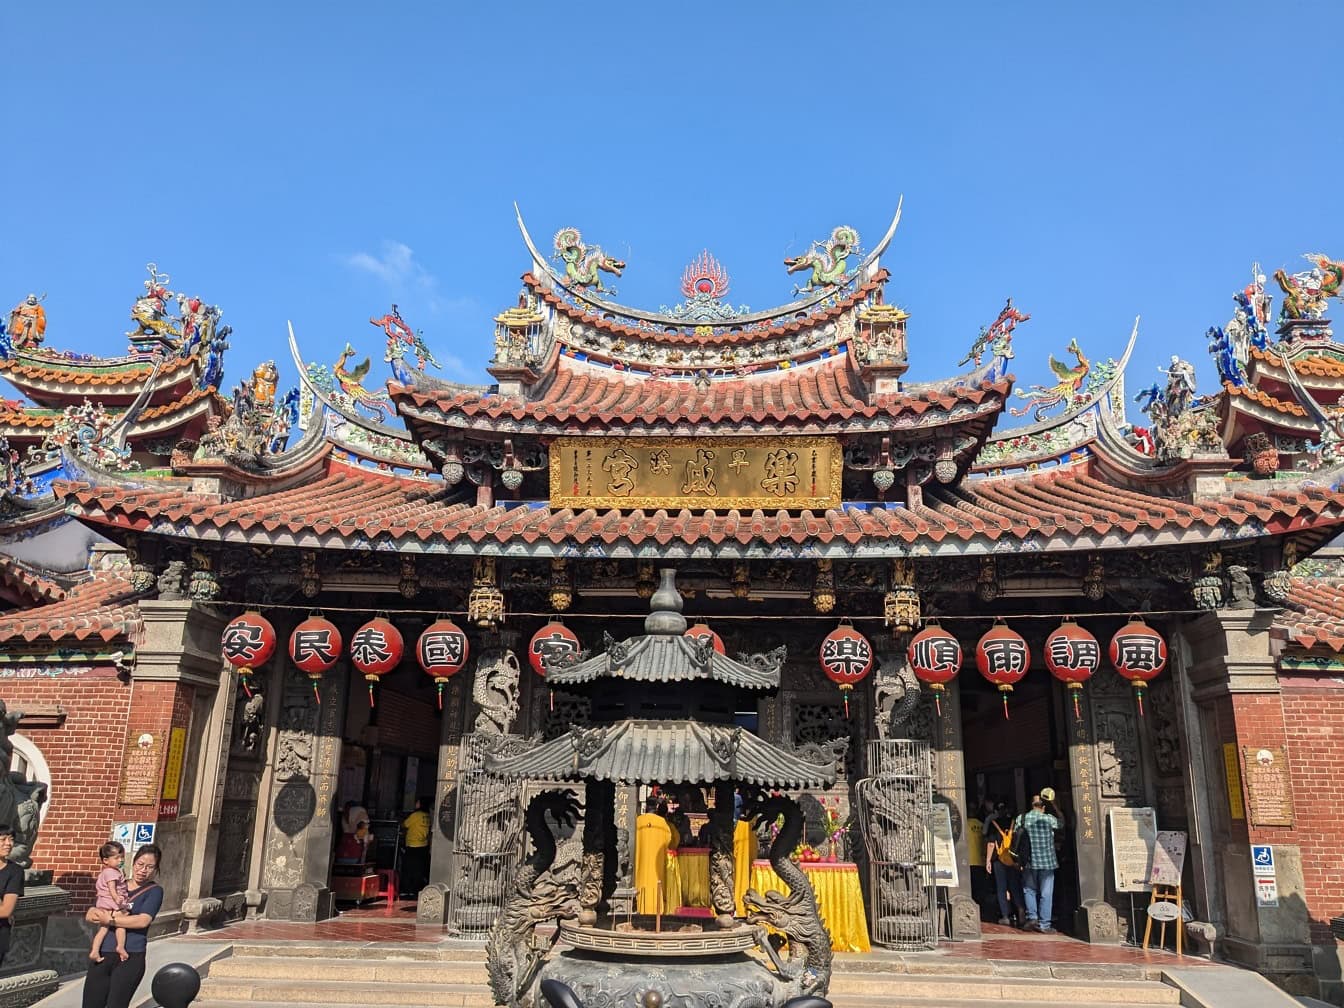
[1143, 616]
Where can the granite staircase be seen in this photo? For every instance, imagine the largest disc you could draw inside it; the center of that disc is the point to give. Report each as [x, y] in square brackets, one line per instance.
[442, 976]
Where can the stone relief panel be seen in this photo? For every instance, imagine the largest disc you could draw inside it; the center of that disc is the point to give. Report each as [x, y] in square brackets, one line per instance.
[294, 804]
[1119, 756]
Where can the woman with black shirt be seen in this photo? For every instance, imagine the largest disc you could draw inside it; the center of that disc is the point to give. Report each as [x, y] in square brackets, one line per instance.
[11, 888]
[111, 983]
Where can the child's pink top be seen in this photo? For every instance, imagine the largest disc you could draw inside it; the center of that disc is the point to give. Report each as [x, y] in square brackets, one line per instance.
[113, 893]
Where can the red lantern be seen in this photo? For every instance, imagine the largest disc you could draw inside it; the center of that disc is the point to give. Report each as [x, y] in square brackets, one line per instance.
[935, 655]
[552, 641]
[701, 632]
[846, 658]
[376, 649]
[1073, 656]
[314, 647]
[442, 651]
[1002, 657]
[1139, 653]
[247, 642]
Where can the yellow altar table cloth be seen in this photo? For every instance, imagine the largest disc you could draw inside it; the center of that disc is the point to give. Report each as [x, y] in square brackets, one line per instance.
[693, 864]
[839, 899]
[671, 882]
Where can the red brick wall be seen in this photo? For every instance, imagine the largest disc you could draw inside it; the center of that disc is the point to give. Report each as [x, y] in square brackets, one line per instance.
[84, 756]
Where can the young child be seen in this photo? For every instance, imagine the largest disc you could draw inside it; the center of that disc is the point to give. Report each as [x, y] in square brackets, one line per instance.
[113, 894]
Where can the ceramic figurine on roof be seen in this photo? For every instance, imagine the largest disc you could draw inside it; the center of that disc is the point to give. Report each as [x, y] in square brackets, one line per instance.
[89, 432]
[704, 284]
[1305, 294]
[27, 324]
[258, 425]
[350, 382]
[585, 264]
[997, 338]
[827, 260]
[1040, 399]
[401, 339]
[150, 310]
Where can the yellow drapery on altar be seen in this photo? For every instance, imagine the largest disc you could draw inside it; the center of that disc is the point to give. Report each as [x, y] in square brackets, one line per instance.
[744, 853]
[839, 899]
[693, 866]
[652, 838]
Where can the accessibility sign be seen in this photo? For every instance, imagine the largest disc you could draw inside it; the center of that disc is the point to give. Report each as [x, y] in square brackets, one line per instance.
[1262, 860]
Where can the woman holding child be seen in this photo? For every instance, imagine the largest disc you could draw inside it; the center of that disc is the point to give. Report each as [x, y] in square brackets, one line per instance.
[112, 980]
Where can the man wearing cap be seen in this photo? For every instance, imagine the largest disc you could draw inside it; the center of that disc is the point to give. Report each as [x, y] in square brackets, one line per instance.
[1038, 876]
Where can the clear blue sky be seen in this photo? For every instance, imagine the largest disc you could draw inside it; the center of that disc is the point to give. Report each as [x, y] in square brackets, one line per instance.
[316, 162]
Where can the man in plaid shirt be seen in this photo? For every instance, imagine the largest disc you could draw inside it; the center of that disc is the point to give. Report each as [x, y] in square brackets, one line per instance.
[1038, 877]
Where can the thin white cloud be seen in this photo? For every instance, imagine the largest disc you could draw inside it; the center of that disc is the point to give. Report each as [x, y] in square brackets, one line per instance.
[396, 267]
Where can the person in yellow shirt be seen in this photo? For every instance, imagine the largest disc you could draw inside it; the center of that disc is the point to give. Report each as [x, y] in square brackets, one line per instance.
[653, 836]
[744, 853]
[415, 865]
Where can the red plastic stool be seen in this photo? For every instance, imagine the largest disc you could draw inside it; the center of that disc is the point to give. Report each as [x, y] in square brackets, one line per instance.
[390, 882]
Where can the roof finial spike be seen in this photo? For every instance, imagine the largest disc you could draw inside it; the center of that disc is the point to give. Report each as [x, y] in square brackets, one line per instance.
[665, 618]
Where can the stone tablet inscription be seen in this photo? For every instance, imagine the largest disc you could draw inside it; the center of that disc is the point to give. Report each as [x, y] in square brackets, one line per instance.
[1268, 790]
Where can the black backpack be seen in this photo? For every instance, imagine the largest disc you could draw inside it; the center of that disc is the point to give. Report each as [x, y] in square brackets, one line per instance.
[1021, 843]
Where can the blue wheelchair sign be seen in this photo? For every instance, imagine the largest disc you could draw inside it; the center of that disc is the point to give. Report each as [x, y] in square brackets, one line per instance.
[1262, 859]
[144, 833]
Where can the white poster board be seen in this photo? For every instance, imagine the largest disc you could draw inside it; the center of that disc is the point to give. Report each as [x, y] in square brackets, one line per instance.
[944, 847]
[1168, 858]
[1133, 838]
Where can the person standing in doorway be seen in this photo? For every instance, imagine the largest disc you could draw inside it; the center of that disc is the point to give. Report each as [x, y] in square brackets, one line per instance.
[1038, 875]
[11, 888]
[998, 833]
[415, 867]
[653, 836]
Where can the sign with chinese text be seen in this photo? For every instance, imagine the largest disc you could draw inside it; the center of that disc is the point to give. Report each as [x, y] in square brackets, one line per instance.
[1262, 861]
[1168, 858]
[1232, 772]
[696, 473]
[1133, 838]
[1266, 892]
[140, 769]
[1267, 786]
[944, 846]
[172, 770]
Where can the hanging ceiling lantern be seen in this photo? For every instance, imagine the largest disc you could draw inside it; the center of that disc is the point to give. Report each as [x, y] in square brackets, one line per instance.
[701, 632]
[846, 658]
[935, 655]
[376, 649]
[1139, 654]
[552, 642]
[1073, 656]
[442, 651]
[247, 642]
[314, 647]
[1002, 657]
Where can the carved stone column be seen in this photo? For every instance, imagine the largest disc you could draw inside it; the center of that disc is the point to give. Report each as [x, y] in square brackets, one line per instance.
[722, 866]
[597, 832]
[299, 838]
[1095, 920]
[432, 905]
[949, 788]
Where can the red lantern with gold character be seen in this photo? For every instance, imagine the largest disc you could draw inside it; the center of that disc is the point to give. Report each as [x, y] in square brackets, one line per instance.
[553, 642]
[935, 655]
[1073, 656]
[442, 652]
[1002, 657]
[701, 632]
[1139, 653]
[248, 641]
[376, 649]
[846, 658]
[314, 647]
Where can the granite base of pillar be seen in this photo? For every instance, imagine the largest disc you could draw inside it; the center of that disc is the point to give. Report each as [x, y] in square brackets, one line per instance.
[1288, 966]
[1097, 922]
[27, 988]
[965, 918]
[203, 913]
[29, 936]
[431, 906]
[306, 904]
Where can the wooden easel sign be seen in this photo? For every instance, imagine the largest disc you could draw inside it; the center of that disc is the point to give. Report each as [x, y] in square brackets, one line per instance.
[1165, 904]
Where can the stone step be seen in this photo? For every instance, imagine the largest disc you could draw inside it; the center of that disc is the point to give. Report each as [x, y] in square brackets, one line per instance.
[997, 989]
[349, 970]
[391, 951]
[216, 992]
[898, 1000]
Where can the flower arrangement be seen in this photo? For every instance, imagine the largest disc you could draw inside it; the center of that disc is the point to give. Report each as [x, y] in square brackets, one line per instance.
[834, 824]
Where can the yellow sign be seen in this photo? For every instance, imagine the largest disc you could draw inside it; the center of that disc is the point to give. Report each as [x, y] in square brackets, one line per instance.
[172, 771]
[1232, 769]
[793, 473]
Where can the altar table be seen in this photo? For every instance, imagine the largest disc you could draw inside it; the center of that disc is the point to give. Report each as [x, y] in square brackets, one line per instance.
[693, 868]
[839, 899]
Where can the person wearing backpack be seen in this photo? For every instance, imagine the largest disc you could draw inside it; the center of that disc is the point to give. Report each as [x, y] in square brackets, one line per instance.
[1000, 863]
[1039, 866]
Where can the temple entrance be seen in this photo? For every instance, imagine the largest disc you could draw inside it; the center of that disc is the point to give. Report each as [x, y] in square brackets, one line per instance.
[1009, 760]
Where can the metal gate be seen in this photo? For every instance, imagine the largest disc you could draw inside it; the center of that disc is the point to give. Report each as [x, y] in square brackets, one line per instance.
[894, 806]
[487, 841]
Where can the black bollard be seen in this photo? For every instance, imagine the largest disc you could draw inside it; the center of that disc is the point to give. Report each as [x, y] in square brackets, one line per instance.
[808, 1002]
[176, 985]
[559, 995]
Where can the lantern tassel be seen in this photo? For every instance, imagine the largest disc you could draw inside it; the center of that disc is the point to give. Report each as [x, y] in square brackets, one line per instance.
[1139, 691]
[1005, 708]
[846, 706]
[938, 703]
[244, 674]
[551, 694]
[1077, 712]
[316, 695]
[371, 696]
[439, 683]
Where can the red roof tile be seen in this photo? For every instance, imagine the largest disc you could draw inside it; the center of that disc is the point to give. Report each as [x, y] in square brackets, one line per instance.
[351, 503]
[587, 394]
[100, 607]
[78, 373]
[1314, 613]
[1316, 366]
[26, 581]
[23, 416]
[1264, 399]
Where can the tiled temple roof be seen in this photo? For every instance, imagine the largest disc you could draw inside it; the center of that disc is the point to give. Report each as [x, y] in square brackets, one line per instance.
[1264, 399]
[20, 416]
[1312, 365]
[95, 374]
[100, 607]
[23, 580]
[585, 394]
[1314, 613]
[348, 505]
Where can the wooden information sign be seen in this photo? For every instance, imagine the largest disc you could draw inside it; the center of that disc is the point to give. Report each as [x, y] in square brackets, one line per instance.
[790, 473]
[1267, 786]
[1133, 837]
[140, 769]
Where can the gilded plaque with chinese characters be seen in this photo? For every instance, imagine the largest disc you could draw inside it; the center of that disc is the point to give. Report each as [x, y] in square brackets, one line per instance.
[794, 473]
